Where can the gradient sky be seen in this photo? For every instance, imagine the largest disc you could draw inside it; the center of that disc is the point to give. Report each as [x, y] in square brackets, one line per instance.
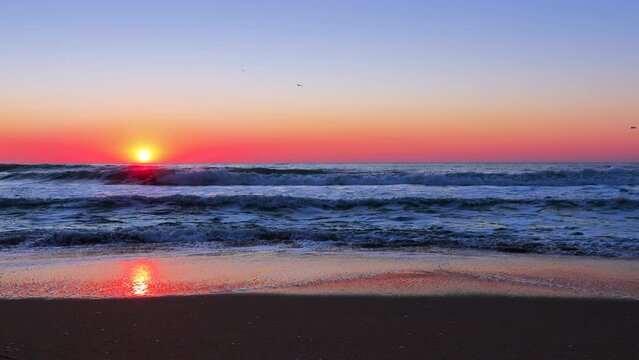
[90, 81]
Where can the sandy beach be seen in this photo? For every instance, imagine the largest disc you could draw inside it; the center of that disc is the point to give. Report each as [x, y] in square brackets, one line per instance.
[290, 305]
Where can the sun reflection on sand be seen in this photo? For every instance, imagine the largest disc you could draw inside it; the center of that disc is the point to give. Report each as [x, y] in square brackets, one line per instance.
[141, 278]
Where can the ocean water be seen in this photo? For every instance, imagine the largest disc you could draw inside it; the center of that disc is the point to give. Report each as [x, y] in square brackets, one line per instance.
[575, 209]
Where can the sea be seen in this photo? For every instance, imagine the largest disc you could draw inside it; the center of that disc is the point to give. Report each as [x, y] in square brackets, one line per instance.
[578, 209]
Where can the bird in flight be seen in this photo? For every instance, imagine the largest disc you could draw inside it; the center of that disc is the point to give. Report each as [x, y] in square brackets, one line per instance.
[300, 85]
[243, 70]
[633, 127]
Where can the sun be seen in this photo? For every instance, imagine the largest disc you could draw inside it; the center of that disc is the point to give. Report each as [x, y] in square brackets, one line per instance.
[144, 155]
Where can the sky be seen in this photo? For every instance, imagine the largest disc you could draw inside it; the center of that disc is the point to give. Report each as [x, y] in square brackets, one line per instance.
[95, 81]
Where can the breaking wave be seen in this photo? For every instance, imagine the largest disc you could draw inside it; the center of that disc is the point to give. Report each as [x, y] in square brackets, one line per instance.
[261, 176]
[429, 237]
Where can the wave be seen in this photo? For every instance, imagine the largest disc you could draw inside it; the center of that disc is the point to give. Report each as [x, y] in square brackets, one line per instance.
[261, 176]
[432, 237]
[276, 202]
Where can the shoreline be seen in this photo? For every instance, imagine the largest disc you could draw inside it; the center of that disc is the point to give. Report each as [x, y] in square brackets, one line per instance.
[298, 326]
[320, 273]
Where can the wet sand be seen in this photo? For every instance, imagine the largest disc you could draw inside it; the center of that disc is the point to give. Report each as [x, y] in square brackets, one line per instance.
[359, 273]
[327, 327]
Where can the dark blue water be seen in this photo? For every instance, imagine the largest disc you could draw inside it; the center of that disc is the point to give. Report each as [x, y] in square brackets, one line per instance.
[578, 209]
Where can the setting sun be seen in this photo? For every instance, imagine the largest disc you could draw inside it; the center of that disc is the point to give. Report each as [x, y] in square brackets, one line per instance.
[144, 155]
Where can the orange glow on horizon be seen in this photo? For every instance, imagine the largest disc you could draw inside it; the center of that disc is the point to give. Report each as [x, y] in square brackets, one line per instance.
[384, 133]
